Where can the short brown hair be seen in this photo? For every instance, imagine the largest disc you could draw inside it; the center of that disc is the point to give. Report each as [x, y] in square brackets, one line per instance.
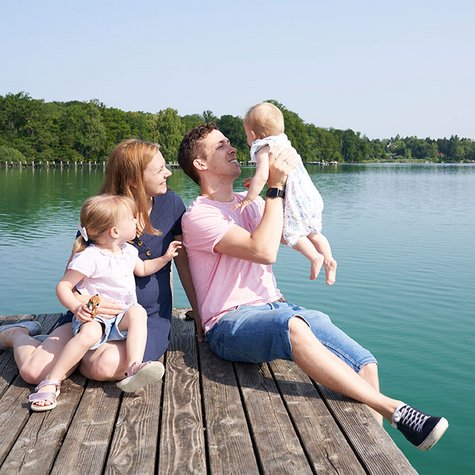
[190, 149]
[264, 119]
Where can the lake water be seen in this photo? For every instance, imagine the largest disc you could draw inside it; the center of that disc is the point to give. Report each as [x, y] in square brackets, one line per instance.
[403, 236]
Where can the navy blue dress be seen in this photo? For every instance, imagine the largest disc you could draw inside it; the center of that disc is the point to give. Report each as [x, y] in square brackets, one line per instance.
[154, 292]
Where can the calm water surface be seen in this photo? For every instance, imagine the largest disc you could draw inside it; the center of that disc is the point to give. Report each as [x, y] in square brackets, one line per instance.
[402, 234]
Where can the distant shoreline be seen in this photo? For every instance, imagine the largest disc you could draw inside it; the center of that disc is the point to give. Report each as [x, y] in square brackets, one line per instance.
[174, 165]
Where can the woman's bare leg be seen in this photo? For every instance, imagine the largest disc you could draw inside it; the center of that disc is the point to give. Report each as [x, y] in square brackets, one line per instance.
[33, 358]
[107, 363]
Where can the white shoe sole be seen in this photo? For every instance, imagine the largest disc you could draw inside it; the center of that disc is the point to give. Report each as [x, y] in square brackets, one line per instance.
[149, 374]
[437, 432]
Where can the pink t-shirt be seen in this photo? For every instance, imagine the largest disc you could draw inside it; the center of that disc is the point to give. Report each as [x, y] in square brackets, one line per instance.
[107, 274]
[222, 282]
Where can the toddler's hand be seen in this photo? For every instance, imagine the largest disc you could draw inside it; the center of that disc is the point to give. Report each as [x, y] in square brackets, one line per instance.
[84, 314]
[172, 250]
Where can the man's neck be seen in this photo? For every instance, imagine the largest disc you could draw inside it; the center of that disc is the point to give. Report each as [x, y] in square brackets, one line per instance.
[222, 192]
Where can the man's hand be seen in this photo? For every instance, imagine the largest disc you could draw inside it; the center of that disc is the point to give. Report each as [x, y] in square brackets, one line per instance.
[285, 159]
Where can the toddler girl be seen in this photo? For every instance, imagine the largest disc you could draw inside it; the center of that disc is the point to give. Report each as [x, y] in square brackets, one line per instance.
[103, 265]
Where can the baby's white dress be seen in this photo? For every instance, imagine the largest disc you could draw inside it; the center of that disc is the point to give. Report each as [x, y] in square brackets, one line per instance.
[303, 203]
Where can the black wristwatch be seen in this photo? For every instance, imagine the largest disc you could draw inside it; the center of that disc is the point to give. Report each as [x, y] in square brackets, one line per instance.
[275, 193]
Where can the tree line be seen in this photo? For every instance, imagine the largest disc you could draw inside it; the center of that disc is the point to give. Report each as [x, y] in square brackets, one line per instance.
[39, 131]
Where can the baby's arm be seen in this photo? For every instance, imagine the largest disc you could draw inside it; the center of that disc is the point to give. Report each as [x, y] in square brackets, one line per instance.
[65, 290]
[150, 266]
[259, 180]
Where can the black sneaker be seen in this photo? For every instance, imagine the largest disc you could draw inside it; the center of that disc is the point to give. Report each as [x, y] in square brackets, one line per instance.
[421, 430]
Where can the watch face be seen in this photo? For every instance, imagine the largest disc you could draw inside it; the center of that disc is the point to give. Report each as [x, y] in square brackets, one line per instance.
[274, 193]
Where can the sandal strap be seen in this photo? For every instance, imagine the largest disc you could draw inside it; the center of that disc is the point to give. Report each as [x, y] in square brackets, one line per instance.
[134, 368]
[48, 397]
[49, 382]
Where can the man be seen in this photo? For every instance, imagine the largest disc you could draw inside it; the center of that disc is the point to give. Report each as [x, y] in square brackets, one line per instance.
[243, 314]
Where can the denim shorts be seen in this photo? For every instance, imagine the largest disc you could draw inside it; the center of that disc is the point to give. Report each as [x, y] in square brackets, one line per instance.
[260, 333]
[110, 328]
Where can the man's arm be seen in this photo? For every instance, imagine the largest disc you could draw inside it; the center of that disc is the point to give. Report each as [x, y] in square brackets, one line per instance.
[263, 244]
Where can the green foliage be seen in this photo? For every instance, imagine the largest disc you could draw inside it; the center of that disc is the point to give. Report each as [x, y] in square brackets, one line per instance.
[170, 133]
[33, 130]
[10, 154]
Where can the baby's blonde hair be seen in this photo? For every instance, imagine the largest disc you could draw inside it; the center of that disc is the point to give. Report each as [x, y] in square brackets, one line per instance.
[101, 213]
[264, 119]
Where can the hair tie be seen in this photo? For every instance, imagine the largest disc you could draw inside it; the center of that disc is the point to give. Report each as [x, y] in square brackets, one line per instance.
[83, 232]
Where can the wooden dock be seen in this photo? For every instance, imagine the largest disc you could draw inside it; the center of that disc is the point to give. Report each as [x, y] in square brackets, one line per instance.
[207, 416]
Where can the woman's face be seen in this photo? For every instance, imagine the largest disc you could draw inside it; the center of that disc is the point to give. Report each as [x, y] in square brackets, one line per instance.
[155, 176]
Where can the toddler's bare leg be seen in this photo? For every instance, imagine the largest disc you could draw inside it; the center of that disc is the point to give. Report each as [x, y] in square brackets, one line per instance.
[323, 247]
[307, 248]
[135, 322]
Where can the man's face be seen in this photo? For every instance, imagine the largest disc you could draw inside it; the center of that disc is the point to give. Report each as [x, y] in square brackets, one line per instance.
[219, 155]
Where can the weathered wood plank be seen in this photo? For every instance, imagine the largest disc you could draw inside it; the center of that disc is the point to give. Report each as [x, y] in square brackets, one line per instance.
[370, 441]
[41, 437]
[275, 438]
[324, 443]
[182, 447]
[86, 444]
[135, 439]
[230, 449]
[14, 413]
[257, 419]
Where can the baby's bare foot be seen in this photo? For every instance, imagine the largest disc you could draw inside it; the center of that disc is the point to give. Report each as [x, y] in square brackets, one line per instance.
[330, 270]
[315, 266]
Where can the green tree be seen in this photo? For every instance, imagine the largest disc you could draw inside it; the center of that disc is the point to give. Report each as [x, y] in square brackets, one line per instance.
[231, 126]
[170, 133]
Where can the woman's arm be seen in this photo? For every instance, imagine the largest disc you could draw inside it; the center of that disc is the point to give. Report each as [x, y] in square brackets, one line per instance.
[183, 269]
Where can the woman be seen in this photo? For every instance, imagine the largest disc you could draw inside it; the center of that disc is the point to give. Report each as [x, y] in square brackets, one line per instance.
[136, 169]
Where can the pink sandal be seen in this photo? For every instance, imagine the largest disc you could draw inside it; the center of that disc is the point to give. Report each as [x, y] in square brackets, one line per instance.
[46, 396]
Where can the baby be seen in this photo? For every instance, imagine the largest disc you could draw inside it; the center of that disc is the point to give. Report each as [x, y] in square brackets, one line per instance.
[264, 126]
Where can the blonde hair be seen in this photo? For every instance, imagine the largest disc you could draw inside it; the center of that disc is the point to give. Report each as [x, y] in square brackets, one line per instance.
[124, 176]
[101, 213]
[264, 119]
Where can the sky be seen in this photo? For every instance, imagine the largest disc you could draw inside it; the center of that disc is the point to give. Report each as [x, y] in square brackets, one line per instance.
[377, 67]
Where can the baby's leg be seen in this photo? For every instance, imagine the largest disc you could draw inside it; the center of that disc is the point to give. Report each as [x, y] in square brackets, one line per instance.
[307, 248]
[135, 322]
[323, 247]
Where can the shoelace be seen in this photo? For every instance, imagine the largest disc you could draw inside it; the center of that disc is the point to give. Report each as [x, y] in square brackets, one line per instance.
[410, 417]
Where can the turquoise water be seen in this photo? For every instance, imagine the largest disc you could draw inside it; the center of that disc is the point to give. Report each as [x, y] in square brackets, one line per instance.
[403, 237]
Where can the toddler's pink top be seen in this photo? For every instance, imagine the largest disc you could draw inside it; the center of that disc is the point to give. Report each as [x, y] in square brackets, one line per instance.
[107, 274]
